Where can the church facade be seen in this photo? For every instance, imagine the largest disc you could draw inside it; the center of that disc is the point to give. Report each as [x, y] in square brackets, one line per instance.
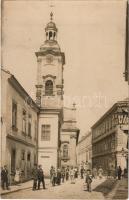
[49, 97]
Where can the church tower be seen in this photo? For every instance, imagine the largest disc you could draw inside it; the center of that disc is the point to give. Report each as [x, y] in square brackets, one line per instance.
[49, 96]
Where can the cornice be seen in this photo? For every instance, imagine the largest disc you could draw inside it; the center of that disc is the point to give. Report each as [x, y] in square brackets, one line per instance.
[110, 111]
[21, 91]
[20, 140]
[44, 53]
[49, 75]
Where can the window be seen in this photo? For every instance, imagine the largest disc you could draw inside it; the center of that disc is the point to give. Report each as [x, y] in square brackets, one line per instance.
[14, 114]
[28, 157]
[65, 151]
[24, 121]
[45, 132]
[35, 136]
[23, 155]
[29, 125]
[50, 35]
[49, 87]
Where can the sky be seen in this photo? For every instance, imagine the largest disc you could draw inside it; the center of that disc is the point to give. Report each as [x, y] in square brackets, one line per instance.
[92, 36]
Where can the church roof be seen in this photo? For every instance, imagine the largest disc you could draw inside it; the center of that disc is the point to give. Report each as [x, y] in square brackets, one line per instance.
[50, 45]
[51, 25]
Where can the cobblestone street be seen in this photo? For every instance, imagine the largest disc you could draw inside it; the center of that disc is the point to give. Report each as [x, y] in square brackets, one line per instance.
[101, 189]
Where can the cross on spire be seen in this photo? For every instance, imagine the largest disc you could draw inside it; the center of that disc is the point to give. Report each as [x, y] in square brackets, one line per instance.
[51, 16]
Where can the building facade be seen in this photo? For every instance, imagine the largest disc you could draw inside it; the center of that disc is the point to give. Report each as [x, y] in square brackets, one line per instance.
[49, 95]
[110, 138]
[84, 150]
[50, 84]
[69, 138]
[18, 127]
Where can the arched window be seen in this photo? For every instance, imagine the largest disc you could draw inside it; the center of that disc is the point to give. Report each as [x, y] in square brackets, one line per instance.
[54, 35]
[65, 151]
[50, 35]
[49, 88]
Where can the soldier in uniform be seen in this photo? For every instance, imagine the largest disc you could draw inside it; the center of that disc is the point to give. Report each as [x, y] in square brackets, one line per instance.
[35, 176]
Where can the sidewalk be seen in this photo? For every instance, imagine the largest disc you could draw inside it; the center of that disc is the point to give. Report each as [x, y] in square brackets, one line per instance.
[120, 191]
[113, 188]
[21, 186]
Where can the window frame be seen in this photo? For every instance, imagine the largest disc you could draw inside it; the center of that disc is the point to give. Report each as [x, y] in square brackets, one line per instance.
[49, 88]
[45, 132]
[14, 114]
[24, 121]
[29, 125]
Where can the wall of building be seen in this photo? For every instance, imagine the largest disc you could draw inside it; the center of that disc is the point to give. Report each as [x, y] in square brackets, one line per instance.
[14, 139]
[69, 139]
[84, 150]
[108, 140]
[48, 150]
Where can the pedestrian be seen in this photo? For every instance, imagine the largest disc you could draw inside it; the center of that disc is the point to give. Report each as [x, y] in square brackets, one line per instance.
[54, 176]
[88, 180]
[82, 172]
[17, 176]
[75, 172]
[63, 174]
[119, 172]
[51, 174]
[58, 177]
[94, 172]
[100, 172]
[4, 178]
[67, 173]
[41, 177]
[35, 176]
[72, 174]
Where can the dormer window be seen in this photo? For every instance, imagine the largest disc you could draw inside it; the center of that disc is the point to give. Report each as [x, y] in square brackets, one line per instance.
[49, 88]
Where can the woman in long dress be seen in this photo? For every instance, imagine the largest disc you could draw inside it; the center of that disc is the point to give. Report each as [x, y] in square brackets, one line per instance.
[17, 176]
[72, 173]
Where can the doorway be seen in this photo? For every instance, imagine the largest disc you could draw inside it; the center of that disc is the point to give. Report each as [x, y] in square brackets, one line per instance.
[13, 160]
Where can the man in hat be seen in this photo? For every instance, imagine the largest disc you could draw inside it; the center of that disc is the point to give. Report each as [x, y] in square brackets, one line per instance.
[4, 178]
[41, 177]
[35, 176]
[88, 180]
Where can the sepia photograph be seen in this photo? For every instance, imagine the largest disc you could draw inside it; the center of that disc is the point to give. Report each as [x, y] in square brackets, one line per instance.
[64, 99]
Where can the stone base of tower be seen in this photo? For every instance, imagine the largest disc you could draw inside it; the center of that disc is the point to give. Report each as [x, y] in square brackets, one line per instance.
[48, 139]
[47, 158]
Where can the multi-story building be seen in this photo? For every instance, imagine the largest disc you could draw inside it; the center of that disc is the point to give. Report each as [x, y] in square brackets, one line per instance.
[18, 127]
[69, 137]
[110, 138]
[84, 150]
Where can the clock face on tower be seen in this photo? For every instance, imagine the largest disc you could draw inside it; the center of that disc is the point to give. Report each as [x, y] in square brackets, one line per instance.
[49, 58]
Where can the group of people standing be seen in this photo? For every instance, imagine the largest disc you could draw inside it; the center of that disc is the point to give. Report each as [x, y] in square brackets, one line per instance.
[60, 175]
